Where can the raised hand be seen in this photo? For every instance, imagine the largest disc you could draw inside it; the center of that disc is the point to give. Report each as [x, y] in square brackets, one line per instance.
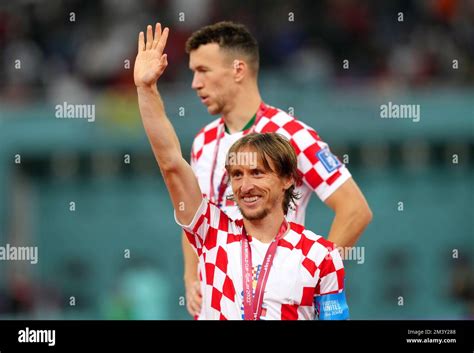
[150, 62]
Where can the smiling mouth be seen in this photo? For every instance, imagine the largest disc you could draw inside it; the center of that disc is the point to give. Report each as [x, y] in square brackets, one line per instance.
[250, 200]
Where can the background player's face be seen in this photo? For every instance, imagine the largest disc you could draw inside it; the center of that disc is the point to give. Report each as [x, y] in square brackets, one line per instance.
[213, 77]
[257, 191]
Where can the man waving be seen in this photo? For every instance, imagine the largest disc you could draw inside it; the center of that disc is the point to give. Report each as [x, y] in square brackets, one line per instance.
[259, 267]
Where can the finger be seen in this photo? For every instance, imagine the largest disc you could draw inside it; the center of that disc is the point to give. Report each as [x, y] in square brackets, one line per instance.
[198, 301]
[195, 308]
[164, 60]
[198, 289]
[149, 37]
[192, 306]
[190, 310]
[141, 41]
[157, 35]
[163, 39]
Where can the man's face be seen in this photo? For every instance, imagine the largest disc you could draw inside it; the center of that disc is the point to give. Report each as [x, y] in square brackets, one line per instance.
[213, 77]
[257, 191]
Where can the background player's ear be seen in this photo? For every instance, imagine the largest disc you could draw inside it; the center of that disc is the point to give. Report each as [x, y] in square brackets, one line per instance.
[240, 67]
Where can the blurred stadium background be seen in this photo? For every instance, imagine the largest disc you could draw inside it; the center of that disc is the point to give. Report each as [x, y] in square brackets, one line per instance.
[90, 197]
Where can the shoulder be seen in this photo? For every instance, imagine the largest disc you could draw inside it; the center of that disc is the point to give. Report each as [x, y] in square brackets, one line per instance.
[304, 239]
[279, 121]
[314, 251]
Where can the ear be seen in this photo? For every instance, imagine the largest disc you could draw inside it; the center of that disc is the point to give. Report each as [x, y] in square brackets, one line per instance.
[240, 69]
[287, 183]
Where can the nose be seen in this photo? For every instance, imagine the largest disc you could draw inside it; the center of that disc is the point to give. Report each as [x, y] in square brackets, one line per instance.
[246, 185]
[197, 83]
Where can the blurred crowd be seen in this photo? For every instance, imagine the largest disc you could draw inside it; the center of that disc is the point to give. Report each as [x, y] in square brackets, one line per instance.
[52, 48]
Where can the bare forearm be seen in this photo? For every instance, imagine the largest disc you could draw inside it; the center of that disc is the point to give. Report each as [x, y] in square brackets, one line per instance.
[160, 132]
[352, 214]
[190, 261]
[179, 178]
[191, 278]
[347, 227]
[177, 174]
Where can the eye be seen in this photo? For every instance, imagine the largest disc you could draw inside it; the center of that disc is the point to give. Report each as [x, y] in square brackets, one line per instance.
[256, 172]
[236, 174]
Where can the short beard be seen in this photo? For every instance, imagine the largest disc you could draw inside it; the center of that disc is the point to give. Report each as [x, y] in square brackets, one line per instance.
[256, 217]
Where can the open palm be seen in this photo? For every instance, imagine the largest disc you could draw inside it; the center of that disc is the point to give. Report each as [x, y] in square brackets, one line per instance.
[150, 62]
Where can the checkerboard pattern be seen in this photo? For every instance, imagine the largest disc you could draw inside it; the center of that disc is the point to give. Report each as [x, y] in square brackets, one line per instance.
[317, 177]
[305, 266]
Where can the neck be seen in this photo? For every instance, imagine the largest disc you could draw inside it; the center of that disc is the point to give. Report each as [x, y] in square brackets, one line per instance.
[265, 229]
[243, 109]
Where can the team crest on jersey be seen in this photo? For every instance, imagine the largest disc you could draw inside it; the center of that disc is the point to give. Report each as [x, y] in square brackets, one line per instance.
[329, 161]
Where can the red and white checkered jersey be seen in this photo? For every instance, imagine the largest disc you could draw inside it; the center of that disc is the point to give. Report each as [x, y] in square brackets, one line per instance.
[305, 267]
[322, 172]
